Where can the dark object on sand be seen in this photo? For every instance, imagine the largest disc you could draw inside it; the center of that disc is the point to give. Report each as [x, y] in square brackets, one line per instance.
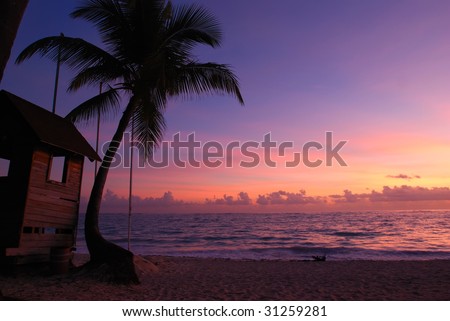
[320, 258]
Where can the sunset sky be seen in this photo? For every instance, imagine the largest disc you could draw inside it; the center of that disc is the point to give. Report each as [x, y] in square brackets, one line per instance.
[374, 73]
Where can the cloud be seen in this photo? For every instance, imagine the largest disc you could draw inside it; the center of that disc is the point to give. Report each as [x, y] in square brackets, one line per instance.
[348, 197]
[167, 203]
[409, 193]
[403, 176]
[111, 201]
[242, 199]
[283, 197]
[402, 193]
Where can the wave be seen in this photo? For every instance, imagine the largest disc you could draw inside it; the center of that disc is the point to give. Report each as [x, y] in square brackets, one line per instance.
[356, 234]
[339, 236]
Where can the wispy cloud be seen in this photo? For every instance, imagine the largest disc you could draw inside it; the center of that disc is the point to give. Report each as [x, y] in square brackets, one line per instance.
[403, 176]
[396, 194]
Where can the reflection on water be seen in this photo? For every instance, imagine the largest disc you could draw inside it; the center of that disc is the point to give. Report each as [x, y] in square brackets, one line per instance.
[366, 235]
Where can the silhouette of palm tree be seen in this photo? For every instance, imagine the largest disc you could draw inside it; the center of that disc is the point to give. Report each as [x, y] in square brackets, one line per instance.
[149, 58]
[11, 13]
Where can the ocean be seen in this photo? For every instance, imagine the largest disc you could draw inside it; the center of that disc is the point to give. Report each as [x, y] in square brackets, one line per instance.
[379, 235]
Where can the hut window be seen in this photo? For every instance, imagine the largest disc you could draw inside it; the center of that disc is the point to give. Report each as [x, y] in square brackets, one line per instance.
[4, 167]
[57, 169]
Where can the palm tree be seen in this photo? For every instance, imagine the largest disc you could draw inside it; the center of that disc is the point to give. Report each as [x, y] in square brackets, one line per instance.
[11, 13]
[148, 58]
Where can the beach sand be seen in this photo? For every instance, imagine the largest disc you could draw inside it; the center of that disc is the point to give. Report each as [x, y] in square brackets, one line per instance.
[180, 278]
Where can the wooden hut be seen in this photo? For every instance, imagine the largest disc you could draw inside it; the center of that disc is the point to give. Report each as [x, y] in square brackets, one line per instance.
[41, 166]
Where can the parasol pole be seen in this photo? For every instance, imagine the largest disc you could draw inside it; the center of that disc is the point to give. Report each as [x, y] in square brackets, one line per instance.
[55, 90]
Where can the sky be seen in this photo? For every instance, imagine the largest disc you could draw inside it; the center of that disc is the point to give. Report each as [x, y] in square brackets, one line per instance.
[362, 82]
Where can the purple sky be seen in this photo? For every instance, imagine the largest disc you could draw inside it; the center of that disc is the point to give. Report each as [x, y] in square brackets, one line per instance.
[375, 73]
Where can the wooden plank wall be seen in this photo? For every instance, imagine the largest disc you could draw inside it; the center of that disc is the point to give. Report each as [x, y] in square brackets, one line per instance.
[52, 204]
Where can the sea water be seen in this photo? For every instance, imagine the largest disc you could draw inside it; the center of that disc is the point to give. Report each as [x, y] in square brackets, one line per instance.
[380, 235]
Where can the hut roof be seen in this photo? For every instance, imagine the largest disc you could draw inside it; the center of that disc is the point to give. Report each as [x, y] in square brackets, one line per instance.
[51, 129]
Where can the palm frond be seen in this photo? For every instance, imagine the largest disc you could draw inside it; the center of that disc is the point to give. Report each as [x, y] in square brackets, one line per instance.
[106, 103]
[148, 19]
[126, 27]
[191, 25]
[197, 78]
[92, 76]
[110, 18]
[148, 125]
[75, 52]
[167, 12]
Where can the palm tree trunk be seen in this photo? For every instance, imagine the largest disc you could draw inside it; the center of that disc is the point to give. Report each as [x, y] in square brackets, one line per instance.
[102, 251]
[11, 13]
